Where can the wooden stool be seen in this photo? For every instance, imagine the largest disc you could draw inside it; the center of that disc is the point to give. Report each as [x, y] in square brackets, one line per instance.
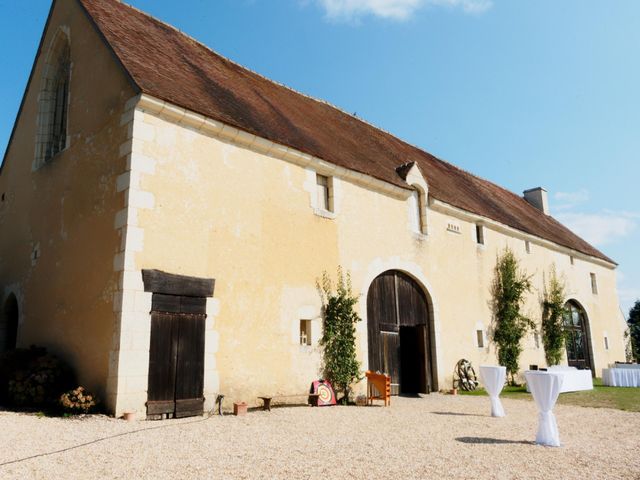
[380, 383]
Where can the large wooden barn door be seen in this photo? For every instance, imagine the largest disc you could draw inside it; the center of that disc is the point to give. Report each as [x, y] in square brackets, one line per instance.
[176, 355]
[176, 362]
[399, 333]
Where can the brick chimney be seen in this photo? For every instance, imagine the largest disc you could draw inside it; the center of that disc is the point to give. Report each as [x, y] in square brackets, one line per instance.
[538, 198]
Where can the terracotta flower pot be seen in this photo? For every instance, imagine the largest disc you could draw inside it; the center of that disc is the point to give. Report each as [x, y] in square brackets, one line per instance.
[240, 409]
[129, 416]
[454, 391]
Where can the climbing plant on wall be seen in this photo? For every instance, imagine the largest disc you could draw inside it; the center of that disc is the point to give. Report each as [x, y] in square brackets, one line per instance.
[508, 290]
[634, 330]
[341, 366]
[553, 313]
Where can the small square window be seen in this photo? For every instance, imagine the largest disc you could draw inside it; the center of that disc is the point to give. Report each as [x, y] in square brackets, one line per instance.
[325, 194]
[480, 234]
[305, 332]
[606, 343]
[527, 246]
[480, 338]
[594, 284]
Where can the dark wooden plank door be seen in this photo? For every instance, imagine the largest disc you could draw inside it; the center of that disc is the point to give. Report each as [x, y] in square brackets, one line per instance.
[190, 366]
[412, 303]
[176, 357]
[163, 356]
[424, 355]
[391, 358]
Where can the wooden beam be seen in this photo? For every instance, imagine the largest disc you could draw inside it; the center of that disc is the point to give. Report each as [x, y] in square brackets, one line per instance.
[156, 281]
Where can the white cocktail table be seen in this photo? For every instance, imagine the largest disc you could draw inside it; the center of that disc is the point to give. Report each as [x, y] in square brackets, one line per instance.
[574, 380]
[545, 388]
[493, 380]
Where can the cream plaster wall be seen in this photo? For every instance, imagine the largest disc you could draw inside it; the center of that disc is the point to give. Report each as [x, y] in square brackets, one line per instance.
[65, 209]
[248, 219]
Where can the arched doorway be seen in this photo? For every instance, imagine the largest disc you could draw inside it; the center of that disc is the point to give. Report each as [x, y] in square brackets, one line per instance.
[9, 324]
[400, 333]
[577, 338]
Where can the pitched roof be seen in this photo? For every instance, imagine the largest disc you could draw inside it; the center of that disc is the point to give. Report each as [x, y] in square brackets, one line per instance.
[171, 66]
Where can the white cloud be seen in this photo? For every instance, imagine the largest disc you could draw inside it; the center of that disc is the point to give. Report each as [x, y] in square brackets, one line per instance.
[394, 9]
[628, 296]
[568, 200]
[600, 228]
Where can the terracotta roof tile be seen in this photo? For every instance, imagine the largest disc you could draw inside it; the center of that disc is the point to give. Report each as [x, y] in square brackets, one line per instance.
[169, 65]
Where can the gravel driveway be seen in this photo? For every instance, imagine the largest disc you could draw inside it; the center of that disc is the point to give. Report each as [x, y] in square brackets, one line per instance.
[436, 436]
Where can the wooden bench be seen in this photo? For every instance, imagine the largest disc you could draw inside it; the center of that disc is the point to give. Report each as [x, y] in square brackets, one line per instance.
[313, 399]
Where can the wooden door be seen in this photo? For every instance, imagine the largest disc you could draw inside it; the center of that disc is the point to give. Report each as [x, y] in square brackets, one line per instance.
[163, 355]
[190, 366]
[424, 355]
[176, 357]
[394, 302]
[390, 343]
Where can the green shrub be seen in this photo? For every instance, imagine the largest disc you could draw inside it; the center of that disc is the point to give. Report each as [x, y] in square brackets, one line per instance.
[31, 378]
[341, 366]
[510, 285]
[553, 312]
[78, 401]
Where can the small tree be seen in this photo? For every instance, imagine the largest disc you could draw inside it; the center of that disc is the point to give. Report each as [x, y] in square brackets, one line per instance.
[341, 366]
[553, 312]
[628, 351]
[510, 285]
[634, 330]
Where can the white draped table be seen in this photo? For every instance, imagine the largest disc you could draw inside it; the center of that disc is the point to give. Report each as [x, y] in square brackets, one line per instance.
[493, 380]
[625, 365]
[574, 380]
[626, 376]
[545, 388]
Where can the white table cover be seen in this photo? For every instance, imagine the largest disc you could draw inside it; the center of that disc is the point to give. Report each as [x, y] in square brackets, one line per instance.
[493, 380]
[574, 380]
[625, 365]
[621, 377]
[545, 388]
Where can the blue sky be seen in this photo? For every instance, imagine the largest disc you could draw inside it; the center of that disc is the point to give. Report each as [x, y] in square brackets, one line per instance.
[524, 93]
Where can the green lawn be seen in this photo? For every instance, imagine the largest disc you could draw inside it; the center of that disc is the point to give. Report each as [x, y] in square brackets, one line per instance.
[600, 397]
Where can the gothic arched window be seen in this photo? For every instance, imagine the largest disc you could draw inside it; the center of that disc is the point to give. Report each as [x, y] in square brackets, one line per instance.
[53, 101]
[576, 327]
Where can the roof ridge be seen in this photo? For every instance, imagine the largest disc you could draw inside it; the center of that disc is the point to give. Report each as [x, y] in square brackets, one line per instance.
[482, 179]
